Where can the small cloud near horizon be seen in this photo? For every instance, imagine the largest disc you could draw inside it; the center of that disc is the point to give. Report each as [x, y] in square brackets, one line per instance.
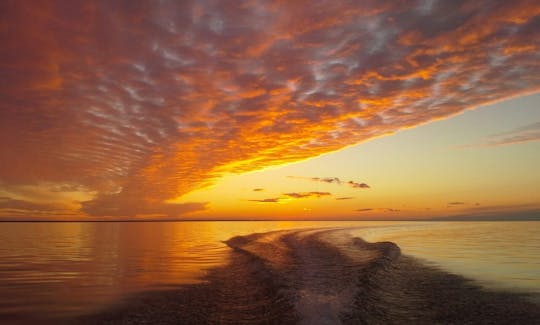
[378, 209]
[292, 195]
[460, 203]
[269, 200]
[302, 195]
[332, 180]
[345, 198]
[357, 185]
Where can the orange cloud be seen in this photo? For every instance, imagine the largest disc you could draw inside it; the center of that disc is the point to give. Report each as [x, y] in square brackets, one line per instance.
[140, 103]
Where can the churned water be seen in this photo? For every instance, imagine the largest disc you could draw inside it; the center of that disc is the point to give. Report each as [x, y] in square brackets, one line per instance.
[58, 270]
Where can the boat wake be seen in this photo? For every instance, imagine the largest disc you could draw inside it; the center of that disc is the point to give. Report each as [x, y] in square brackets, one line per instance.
[323, 276]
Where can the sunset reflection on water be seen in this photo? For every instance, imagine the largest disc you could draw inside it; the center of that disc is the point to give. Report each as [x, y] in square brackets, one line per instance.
[69, 268]
[65, 269]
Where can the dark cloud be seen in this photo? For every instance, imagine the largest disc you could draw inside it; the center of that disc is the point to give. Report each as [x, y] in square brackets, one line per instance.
[302, 195]
[333, 180]
[258, 189]
[357, 185]
[378, 209]
[269, 200]
[345, 198]
[364, 210]
[142, 102]
[328, 180]
[460, 203]
[293, 195]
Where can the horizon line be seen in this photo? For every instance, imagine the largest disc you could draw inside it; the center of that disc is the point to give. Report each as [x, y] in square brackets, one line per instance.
[449, 219]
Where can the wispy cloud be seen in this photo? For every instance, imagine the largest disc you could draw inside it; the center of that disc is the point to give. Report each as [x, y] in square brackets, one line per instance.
[460, 203]
[143, 102]
[258, 189]
[332, 180]
[377, 209]
[269, 200]
[530, 211]
[527, 133]
[345, 198]
[293, 195]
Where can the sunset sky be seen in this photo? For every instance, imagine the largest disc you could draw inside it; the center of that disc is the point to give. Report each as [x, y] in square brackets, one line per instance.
[269, 109]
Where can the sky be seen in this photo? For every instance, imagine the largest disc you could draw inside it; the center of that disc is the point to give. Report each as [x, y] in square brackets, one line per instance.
[269, 109]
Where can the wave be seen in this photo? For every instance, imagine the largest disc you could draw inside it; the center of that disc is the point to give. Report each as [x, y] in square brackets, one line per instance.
[323, 276]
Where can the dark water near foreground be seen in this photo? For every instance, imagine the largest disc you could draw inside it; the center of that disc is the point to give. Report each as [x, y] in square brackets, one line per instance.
[61, 270]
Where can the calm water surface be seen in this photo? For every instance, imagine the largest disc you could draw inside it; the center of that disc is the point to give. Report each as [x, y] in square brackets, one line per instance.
[499, 255]
[64, 269]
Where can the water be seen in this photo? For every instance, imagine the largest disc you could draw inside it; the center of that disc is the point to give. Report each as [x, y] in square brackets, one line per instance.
[66, 269]
[497, 255]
